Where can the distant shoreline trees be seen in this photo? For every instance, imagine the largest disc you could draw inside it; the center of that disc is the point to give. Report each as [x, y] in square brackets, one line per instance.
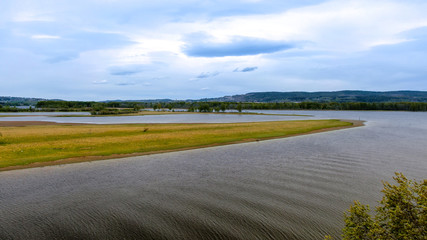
[196, 106]
[239, 106]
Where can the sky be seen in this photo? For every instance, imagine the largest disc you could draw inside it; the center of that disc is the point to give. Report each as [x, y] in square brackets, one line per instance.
[192, 49]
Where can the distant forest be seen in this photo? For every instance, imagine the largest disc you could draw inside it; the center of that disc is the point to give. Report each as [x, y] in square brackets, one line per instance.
[341, 100]
[223, 106]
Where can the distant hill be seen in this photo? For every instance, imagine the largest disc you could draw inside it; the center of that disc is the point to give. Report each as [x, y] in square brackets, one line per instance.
[338, 96]
[19, 101]
[321, 97]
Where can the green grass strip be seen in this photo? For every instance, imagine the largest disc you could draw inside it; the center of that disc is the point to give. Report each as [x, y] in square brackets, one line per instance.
[45, 143]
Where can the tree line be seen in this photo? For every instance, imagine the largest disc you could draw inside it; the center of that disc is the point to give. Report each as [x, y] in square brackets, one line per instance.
[15, 109]
[193, 106]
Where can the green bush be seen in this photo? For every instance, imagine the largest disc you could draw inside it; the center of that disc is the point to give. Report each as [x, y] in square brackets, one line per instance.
[402, 213]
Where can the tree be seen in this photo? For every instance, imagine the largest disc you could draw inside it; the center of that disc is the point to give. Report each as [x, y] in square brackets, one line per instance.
[204, 107]
[170, 106]
[239, 107]
[136, 107]
[358, 222]
[159, 106]
[402, 213]
[223, 107]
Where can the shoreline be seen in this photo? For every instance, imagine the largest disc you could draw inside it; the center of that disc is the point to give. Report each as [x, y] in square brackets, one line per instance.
[355, 123]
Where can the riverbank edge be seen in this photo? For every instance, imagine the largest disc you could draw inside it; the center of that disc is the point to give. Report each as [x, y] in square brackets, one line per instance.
[355, 123]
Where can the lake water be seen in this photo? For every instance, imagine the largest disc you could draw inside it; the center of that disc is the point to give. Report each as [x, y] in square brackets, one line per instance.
[43, 113]
[165, 118]
[292, 188]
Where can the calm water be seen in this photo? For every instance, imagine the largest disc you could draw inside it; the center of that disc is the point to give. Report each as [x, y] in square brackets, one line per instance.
[294, 188]
[44, 113]
[166, 118]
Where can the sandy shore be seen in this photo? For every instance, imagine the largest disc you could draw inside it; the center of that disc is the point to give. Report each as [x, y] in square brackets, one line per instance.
[356, 123]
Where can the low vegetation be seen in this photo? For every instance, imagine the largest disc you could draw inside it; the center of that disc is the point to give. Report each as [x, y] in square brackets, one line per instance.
[113, 111]
[45, 143]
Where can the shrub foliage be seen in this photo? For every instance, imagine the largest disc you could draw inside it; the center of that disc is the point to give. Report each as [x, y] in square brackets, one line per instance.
[402, 213]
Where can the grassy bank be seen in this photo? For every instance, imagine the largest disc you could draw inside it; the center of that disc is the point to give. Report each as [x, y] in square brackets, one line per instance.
[47, 143]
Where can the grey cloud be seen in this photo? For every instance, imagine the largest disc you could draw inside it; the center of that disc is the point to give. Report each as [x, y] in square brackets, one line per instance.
[125, 84]
[246, 69]
[200, 45]
[207, 75]
[121, 73]
[126, 70]
[132, 69]
[62, 58]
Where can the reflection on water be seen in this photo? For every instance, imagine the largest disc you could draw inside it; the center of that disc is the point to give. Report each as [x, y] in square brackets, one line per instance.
[294, 188]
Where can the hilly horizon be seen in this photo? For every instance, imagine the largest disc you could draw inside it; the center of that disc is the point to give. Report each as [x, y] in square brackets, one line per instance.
[271, 96]
[328, 96]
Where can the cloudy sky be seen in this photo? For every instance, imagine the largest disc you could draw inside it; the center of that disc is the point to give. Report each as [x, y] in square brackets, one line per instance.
[140, 49]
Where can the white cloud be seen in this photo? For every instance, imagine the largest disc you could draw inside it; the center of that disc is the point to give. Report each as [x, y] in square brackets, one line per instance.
[100, 82]
[337, 25]
[45, 37]
[31, 17]
[145, 50]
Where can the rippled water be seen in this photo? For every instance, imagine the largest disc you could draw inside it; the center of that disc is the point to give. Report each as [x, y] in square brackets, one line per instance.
[293, 188]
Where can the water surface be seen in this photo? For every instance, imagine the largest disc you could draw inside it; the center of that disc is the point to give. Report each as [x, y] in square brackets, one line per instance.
[292, 188]
[165, 118]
